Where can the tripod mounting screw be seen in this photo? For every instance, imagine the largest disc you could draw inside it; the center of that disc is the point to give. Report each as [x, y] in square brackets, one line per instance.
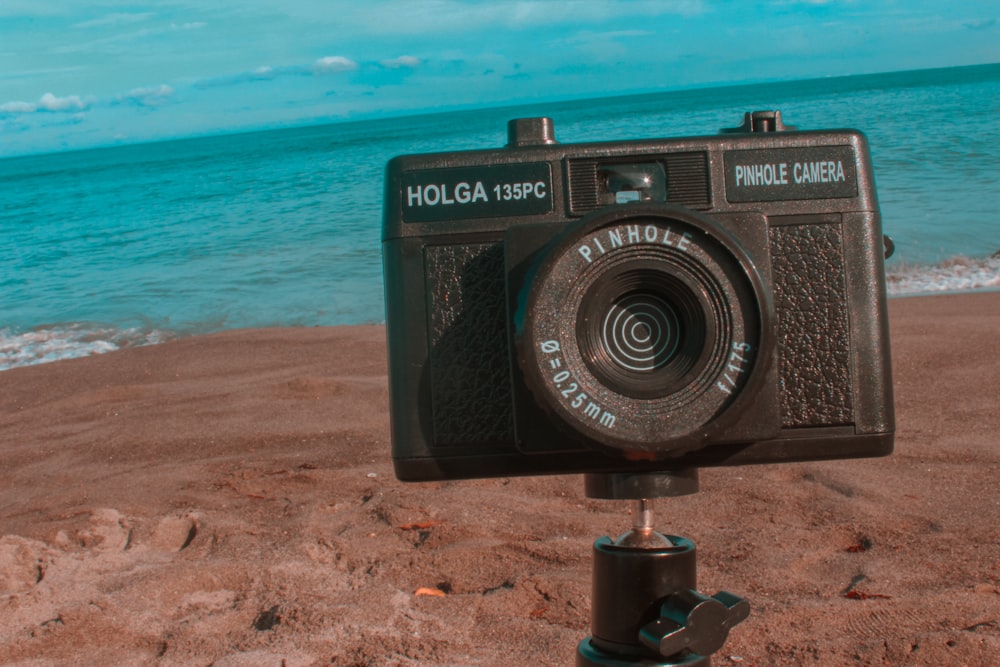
[694, 622]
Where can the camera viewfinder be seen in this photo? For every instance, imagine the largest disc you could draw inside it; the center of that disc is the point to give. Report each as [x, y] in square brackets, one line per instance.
[623, 183]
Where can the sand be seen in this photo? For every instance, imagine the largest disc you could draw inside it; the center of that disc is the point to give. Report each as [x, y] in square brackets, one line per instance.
[229, 500]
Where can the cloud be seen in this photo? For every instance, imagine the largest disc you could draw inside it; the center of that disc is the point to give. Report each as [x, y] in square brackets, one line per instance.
[400, 62]
[374, 72]
[984, 24]
[115, 19]
[463, 16]
[320, 67]
[48, 102]
[18, 107]
[154, 96]
[334, 64]
[587, 36]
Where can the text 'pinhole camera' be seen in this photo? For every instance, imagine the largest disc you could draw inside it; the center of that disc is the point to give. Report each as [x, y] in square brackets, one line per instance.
[636, 306]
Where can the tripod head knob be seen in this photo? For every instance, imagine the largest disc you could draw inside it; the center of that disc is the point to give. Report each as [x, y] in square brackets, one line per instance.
[694, 622]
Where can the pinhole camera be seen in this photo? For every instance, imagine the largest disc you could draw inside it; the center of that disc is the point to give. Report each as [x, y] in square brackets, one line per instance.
[636, 306]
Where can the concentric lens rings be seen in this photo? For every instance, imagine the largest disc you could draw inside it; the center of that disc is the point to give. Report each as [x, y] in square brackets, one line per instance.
[641, 332]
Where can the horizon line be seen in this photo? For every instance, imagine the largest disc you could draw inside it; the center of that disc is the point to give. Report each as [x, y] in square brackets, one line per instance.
[427, 112]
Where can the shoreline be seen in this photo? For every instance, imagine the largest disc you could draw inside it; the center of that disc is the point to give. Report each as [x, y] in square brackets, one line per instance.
[228, 498]
[52, 343]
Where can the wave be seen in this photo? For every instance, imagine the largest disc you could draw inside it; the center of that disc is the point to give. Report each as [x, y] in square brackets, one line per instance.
[71, 341]
[957, 274]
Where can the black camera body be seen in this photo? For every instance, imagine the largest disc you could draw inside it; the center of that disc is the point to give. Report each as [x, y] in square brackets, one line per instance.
[636, 306]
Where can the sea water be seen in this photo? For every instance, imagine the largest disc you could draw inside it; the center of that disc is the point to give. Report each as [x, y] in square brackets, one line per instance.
[105, 248]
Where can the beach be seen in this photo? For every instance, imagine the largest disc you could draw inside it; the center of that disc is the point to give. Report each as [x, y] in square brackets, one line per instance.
[228, 499]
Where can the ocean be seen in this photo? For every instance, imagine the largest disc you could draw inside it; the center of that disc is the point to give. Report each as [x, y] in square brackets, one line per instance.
[133, 245]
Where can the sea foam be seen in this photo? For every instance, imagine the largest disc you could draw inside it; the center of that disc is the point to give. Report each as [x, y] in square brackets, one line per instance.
[71, 341]
[958, 274]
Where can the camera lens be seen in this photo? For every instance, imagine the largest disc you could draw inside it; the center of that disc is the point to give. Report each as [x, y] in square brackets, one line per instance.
[640, 327]
[641, 330]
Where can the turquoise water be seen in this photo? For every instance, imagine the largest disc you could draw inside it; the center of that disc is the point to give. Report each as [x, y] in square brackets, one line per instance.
[137, 244]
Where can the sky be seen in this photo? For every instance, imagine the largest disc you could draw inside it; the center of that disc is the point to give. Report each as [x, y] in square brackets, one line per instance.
[83, 74]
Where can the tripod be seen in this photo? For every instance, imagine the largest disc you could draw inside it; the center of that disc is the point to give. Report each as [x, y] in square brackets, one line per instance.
[646, 610]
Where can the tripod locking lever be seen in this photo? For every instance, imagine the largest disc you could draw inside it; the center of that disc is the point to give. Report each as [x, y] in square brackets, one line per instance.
[694, 622]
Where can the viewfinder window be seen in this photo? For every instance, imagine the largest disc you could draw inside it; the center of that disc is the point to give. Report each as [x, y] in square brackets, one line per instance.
[624, 183]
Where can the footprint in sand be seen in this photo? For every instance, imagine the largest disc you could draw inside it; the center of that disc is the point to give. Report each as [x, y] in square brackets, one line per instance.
[175, 533]
[23, 562]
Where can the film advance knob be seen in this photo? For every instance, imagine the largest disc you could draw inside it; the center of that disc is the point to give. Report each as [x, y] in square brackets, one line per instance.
[530, 132]
[761, 121]
[692, 621]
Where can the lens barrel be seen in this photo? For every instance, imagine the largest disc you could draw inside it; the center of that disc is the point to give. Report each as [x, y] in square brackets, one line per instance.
[640, 327]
